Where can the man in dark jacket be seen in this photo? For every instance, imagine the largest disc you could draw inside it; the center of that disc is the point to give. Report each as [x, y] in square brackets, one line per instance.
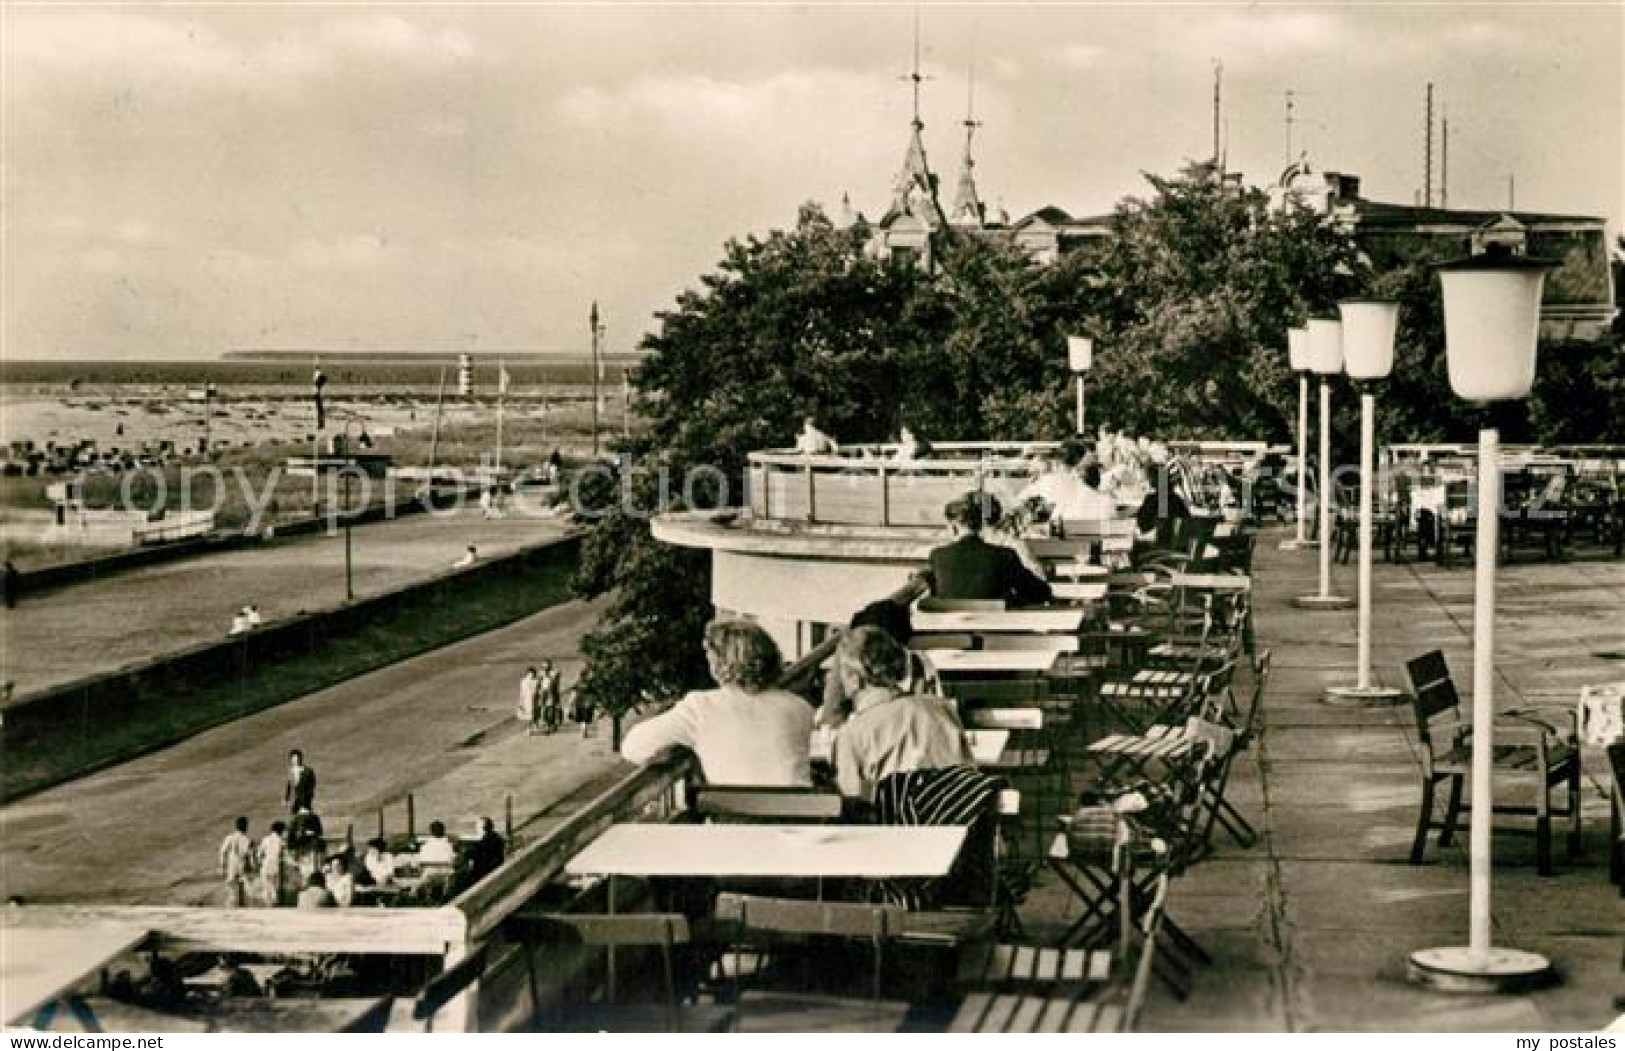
[971, 568]
[300, 790]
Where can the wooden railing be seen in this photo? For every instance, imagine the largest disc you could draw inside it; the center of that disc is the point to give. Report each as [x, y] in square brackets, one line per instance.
[864, 485]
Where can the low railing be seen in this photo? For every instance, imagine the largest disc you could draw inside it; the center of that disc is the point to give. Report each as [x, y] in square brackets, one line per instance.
[866, 485]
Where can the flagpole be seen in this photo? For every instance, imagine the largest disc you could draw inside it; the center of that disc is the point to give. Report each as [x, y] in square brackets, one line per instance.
[502, 397]
[593, 321]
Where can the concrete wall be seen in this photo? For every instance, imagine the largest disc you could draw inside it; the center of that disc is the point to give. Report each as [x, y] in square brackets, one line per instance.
[782, 593]
[77, 727]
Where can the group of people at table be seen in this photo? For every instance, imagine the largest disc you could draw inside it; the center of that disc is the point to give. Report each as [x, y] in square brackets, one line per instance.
[291, 863]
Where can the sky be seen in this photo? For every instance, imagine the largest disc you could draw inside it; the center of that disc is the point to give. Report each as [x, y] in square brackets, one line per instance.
[181, 180]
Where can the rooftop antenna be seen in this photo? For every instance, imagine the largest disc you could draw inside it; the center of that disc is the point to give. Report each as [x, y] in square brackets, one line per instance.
[1290, 96]
[1427, 152]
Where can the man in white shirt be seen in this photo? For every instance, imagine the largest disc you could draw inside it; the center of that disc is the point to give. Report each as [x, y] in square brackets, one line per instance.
[745, 732]
[237, 863]
[1062, 487]
[814, 442]
[437, 849]
[272, 850]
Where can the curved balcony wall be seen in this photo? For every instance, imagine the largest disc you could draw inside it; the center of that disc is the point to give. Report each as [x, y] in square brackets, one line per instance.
[865, 486]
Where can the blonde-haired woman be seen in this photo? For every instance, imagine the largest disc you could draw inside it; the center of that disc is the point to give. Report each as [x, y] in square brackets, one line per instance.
[744, 732]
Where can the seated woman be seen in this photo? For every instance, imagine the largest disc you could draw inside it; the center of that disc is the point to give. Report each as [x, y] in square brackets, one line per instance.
[744, 732]
[892, 618]
[891, 731]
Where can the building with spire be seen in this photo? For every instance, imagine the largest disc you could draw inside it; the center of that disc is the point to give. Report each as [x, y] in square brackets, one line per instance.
[915, 220]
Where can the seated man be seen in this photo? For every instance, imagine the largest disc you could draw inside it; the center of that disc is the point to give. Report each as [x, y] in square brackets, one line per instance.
[1062, 487]
[744, 732]
[315, 894]
[437, 849]
[891, 731]
[972, 568]
[486, 855]
[814, 442]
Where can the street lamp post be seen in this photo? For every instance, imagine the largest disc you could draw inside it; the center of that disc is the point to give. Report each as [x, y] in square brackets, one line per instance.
[1080, 356]
[1326, 360]
[1491, 323]
[1297, 349]
[1369, 326]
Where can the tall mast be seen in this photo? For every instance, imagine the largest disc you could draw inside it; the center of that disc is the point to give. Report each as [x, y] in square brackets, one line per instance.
[597, 330]
[434, 433]
[1218, 88]
[1427, 152]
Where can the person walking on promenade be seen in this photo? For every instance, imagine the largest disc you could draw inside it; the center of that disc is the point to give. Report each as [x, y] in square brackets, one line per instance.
[273, 854]
[550, 690]
[581, 710]
[237, 863]
[529, 685]
[300, 791]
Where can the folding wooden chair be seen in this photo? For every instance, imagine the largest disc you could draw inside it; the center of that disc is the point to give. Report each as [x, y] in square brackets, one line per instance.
[739, 803]
[769, 923]
[662, 932]
[1031, 989]
[1524, 744]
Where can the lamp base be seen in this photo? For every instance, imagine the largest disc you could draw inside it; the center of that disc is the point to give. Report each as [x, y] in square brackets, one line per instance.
[1364, 696]
[1323, 602]
[1458, 969]
[1294, 544]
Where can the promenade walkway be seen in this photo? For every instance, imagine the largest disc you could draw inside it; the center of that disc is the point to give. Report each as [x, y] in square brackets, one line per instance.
[1311, 928]
[66, 634]
[440, 725]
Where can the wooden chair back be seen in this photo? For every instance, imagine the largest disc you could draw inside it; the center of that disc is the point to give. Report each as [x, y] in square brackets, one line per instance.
[751, 914]
[1435, 702]
[941, 641]
[933, 604]
[765, 804]
[1033, 643]
[658, 930]
[1004, 719]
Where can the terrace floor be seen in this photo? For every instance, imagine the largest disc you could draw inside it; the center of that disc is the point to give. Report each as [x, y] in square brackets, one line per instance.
[1311, 927]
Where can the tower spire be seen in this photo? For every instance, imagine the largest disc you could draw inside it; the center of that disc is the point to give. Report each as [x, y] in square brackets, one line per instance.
[968, 208]
[915, 191]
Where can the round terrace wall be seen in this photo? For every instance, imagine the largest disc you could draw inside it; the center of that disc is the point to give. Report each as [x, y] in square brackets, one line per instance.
[824, 536]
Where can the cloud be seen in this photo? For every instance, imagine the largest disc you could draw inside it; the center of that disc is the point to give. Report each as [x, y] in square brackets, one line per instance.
[1081, 56]
[143, 48]
[356, 252]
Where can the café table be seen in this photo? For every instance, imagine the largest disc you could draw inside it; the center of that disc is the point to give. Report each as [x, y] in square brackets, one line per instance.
[771, 851]
[970, 662]
[1038, 620]
[1079, 571]
[1230, 582]
[1069, 592]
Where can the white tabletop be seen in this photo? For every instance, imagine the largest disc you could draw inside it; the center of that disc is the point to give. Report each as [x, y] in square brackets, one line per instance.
[781, 851]
[1079, 570]
[1212, 581]
[40, 964]
[1001, 621]
[1079, 592]
[950, 662]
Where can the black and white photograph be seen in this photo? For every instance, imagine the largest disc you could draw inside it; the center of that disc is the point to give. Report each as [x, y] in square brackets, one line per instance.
[885, 518]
